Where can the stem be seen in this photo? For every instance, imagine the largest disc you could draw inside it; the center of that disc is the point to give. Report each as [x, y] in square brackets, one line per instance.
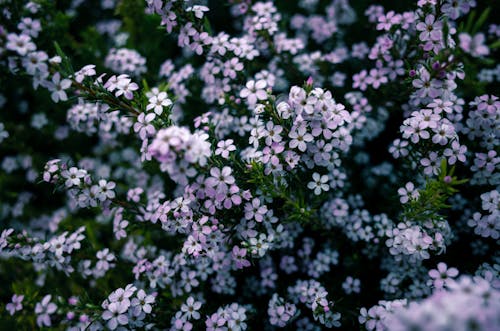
[109, 100]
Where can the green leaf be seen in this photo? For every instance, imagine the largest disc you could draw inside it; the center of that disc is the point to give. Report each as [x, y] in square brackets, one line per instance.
[91, 235]
[480, 21]
[145, 84]
[65, 62]
[496, 44]
[206, 25]
[470, 20]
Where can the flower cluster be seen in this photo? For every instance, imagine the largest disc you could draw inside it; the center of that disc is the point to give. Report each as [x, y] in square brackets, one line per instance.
[125, 61]
[128, 306]
[465, 293]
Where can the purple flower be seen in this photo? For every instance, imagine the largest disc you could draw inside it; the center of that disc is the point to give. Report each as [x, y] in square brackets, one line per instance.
[426, 85]
[254, 210]
[224, 147]
[43, 310]
[16, 304]
[474, 45]
[430, 29]
[408, 192]
[143, 126]
[220, 179]
[238, 255]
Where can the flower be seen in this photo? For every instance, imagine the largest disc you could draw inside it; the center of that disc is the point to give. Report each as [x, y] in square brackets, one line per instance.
[143, 125]
[158, 102]
[105, 257]
[142, 303]
[43, 310]
[125, 87]
[224, 147]
[21, 44]
[105, 190]
[300, 138]
[473, 45]
[198, 10]
[115, 314]
[319, 183]
[190, 308]
[254, 91]
[86, 71]
[220, 179]
[254, 210]
[279, 311]
[351, 285]
[272, 133]
[430, 28]
[57, 87]
[239, 257]
[407, 193]
[442, 275]
[455, 153]
[426, 85]
[16, 304]
[119, 227]
[73, 176]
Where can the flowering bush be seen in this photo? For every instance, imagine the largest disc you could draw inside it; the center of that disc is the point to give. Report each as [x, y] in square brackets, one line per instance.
[241, 164]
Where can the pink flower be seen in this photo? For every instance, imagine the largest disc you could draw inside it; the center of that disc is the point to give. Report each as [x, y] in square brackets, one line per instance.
[473, 45]
[44, 309]
[255, 210]
[430, 29]
[239, 257]
[16, 304]
[442, 275]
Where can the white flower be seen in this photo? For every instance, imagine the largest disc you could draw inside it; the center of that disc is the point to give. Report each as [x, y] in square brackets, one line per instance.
[254, 90]
[105, 190]
[73, 176]
[318, 183]
[224, 147]
[158, 102]
[86, 71]
[284, 110]
[190, 308]
[198, 10]
[57, 87]
[115, 314]
[408, 192]
[20, 43]
[300, 138]
[142, 303]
